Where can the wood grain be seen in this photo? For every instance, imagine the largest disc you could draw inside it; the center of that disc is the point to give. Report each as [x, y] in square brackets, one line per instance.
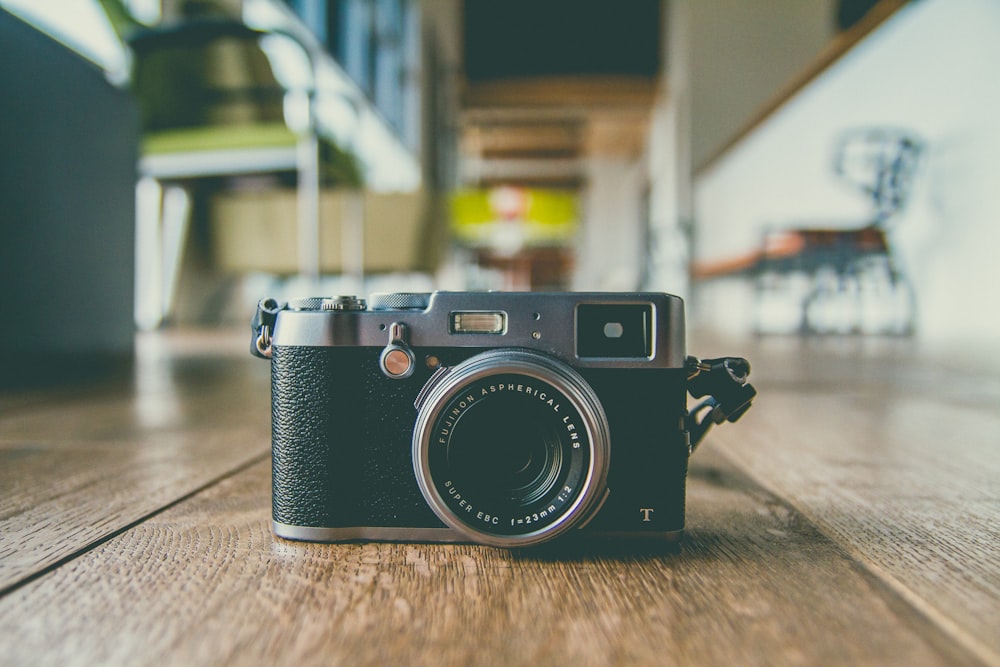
[205, 583]
[134, 529]
[77, 465]
[891, 450]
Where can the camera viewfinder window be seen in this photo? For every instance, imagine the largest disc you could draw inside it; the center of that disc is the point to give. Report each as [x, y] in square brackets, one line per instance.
[614, 331]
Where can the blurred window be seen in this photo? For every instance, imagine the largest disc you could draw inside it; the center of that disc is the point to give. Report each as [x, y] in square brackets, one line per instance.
[377, 43]
[80, 25]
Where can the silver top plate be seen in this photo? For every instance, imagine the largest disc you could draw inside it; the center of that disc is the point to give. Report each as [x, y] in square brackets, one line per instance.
[546, 322]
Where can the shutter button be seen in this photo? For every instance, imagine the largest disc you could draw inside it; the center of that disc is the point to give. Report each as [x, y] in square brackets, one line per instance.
[397, 360]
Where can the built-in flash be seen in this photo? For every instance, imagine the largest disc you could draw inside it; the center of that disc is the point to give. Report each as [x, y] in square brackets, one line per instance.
[479, 322]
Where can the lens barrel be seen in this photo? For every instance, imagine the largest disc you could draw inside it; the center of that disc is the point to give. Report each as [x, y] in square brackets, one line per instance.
[511, 448]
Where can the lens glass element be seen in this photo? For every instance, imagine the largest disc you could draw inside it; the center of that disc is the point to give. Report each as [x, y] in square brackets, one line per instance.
[514, 461]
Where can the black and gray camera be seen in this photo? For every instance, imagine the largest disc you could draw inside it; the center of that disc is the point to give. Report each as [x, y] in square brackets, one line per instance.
[506, 419]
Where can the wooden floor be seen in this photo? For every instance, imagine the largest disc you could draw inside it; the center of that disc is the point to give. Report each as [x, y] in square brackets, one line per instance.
[852, 517]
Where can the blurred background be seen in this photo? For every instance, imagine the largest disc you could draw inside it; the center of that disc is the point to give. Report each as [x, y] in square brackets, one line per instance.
[789, 167]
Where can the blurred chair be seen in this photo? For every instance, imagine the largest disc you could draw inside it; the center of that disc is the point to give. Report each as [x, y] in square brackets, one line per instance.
[211, 106]
[841, 280]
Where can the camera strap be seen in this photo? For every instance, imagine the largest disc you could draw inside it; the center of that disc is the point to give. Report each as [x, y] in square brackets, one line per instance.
[725, 392]
[262, 325]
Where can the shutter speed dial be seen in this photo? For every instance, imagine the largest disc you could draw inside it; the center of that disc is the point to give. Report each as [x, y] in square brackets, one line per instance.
[400, 301]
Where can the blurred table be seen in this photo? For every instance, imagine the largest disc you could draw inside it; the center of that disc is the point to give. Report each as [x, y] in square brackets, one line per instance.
[850, 518]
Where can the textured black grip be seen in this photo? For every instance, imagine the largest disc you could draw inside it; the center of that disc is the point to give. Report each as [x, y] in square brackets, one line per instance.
[341, 438]
[302, 442]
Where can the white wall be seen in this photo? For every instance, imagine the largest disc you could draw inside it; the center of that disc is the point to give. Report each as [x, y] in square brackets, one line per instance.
[668, 155]
[931, 68]
[723, 60]
[609, 243]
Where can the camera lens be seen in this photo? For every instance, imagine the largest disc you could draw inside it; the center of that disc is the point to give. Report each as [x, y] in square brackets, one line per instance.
[514, 460]
[511, 448]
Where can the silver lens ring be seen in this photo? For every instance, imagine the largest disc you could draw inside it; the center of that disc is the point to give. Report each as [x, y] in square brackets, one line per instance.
[446, 387]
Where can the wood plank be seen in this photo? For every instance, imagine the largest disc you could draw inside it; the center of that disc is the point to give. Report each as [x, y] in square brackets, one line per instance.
[519, 137]
[79, 465]
[206, 583]
[890, 447]
[583, 92]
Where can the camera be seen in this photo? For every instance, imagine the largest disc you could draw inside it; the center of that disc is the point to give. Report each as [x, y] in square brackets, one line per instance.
[507, 419]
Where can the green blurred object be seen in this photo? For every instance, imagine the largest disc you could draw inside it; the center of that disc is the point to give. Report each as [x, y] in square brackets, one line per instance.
[218, 138]
[208, 74]
[206, 84]
[212, 106]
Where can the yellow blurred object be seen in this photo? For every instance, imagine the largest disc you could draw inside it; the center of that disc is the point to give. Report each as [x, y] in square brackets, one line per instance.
[512, 218]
